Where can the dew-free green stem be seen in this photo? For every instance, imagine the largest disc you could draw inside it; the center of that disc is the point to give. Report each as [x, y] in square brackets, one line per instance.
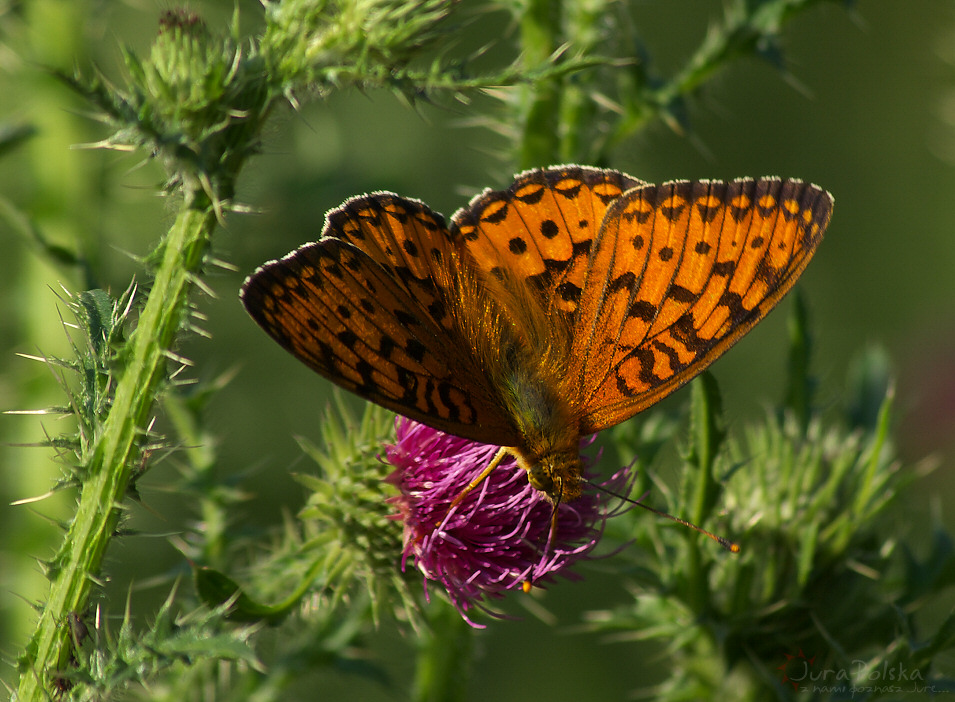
[116, 450]
[444, 657]
[578, 109]
[798, 397]
[200, 453]
[539, 144]
[706, 437]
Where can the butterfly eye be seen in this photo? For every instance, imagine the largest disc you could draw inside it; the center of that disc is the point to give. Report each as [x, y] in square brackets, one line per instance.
[540, 479]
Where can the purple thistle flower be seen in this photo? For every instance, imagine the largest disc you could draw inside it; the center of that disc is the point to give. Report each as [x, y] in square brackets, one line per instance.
[499, 536]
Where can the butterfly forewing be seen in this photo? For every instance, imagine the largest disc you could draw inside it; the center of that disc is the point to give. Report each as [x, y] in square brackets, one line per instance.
[537, 234]
[631, 283]
[367, 308]
[677, 274]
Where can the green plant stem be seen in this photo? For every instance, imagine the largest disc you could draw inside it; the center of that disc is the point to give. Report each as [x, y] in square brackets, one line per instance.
[798, 398]
[445, 654]
[539, 144]
[578, 109]
[706, 437]
[200, 453]
[116, 451]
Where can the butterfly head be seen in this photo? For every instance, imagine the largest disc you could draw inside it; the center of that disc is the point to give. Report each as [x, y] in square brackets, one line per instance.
[559, 475]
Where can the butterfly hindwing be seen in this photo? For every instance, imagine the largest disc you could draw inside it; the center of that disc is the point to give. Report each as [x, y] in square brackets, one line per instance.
[677, 274]
[366, 307]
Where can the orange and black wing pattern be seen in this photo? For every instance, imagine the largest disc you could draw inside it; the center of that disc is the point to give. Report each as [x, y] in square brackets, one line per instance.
[677, 274]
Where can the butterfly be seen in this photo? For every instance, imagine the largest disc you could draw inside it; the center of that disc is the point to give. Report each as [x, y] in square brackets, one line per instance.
[553, 309]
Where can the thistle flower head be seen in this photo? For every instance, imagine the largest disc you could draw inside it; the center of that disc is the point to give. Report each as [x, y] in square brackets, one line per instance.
[499, 536]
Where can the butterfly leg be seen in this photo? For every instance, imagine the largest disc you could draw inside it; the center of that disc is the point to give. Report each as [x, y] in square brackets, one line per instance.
[528, 584]
[495, 462]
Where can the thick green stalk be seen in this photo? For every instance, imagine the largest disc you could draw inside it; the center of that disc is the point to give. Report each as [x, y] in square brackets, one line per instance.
[539, 144]
[117, 448]
[580, 142]
[444, 657]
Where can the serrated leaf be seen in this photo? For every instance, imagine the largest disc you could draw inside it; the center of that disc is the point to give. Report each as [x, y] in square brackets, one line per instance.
[216, 589]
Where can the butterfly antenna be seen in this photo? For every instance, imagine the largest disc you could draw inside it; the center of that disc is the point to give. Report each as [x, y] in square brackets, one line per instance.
[730, 546]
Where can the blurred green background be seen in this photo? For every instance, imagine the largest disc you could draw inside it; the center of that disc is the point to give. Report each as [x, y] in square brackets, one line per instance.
[868, 112]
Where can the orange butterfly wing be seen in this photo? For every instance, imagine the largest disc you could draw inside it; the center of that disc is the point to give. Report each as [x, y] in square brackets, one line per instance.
[537, 233]
[367, 307]
[677, 274]
[599, 291]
